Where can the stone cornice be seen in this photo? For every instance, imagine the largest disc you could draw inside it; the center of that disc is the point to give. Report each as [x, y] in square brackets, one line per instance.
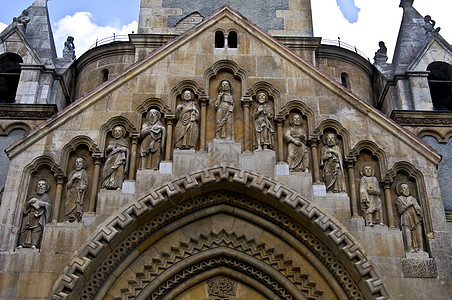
[27, 111]
[422, 118]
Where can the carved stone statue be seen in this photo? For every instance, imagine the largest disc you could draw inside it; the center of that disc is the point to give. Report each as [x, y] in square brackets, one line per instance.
[186, 131]
[225, 107]
[331, 162]
[263, 123]
[23, 19]
[369, 191]
[153, 134]
[36, 216]
[410, 218]
[117, 163]
[75, 191]
[429, 26]
[381, 56]
[69, 49]
[298, 155]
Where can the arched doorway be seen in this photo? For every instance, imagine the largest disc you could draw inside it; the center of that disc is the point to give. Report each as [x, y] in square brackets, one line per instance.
[225, 233]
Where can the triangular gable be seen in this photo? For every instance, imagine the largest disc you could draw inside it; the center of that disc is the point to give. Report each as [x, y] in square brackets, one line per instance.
[9, 33]
[267, 40]
[436, 39]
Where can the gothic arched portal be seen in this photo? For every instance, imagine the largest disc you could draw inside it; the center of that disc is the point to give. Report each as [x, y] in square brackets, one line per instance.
[222, 232]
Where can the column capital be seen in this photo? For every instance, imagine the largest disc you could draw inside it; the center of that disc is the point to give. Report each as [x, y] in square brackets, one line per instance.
[170, 119]
[204, 100]
[350, 161]
[246, 101]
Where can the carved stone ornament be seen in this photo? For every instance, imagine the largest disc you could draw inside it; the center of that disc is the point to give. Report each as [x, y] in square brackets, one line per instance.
[75, 191]
[117, 163]
[297, 152]
[36, 215]
[222, 287]
[153, 134]
[225, 111]
[332, 163]
[410, 219]
[263, 123]
[186, 131]
[69, 49]
[369, 193]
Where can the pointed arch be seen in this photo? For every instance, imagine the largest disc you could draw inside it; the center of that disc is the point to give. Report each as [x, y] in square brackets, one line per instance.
[73, 144]
[231, 67]
[260, 200]
[305, 110]
[119, 120]
[180, 87]
[340, 130]
[375, 150]
[271, 91]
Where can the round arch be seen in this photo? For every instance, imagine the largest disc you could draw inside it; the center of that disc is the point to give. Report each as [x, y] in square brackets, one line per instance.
[256, 201]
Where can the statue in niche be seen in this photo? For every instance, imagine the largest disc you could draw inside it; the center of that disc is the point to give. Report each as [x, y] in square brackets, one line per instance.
[410, 218]
[225, 107]
[69, 49]
[381, 56]
[369, 191]
[186, 131]
[75, 191]
[263, 123]
[298, 155]
[331, 162]
[36, 216]
[153, 134]
[117, 163]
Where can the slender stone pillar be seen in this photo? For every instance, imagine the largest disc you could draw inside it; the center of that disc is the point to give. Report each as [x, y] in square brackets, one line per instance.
[280, 124]
[133, 157]
[169, 136]
[314, 143]
[204, 102]
[388, 202]
[58, 197]
[351, 176]
[95, 183]
[246, 104]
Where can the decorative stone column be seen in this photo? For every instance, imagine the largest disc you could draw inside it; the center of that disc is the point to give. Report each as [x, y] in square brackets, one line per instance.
[246, 104]
[388, 203]
[170, 119]
[350, 162]
[58, 196]
[314, 143]
[203, 102]
[133, 157]
[97, 157]
[280, 123]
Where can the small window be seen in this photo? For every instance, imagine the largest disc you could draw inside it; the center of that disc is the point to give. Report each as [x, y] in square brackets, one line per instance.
[440, 84]
[345, 80]
[219, 39]
[9, 77]
[232, 39]
[104, 75]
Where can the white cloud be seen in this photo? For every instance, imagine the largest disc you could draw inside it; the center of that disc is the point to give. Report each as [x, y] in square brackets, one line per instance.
[85, 32]
[2, 26]
[377, 21]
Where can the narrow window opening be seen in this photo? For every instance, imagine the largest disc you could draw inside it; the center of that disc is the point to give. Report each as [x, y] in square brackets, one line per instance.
[232, 39]
[9, 77]
[440, 84]
[104, 75]
[345, 80]
[219, 39]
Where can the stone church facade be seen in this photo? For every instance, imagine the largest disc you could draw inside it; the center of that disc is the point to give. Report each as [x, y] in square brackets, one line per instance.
[224, 152]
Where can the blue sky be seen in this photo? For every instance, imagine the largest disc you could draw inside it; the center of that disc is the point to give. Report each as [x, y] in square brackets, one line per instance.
[361, 23]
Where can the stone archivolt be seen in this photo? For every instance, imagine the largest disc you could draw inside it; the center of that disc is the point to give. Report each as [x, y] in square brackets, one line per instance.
[96, 261]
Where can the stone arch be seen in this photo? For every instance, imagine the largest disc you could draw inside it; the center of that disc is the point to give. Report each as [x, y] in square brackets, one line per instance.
[441, 137]
[107, 127]
[416, 177]
[340, 130]
[73, 144]
[180, 87]
[231, 67]
[143, 222]
[14, 125]
[271, 91]
[299, 105]
[375, 150]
